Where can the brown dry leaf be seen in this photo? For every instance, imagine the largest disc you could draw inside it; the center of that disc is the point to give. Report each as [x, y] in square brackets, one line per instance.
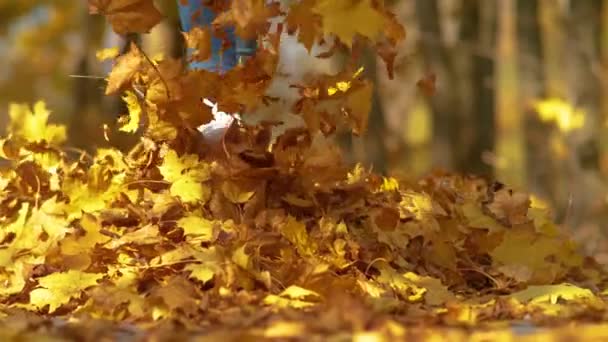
[510, 207]
[125, 70]
[127, 16]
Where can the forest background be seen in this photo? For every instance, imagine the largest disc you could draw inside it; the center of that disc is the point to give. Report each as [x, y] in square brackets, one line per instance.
[515, 90]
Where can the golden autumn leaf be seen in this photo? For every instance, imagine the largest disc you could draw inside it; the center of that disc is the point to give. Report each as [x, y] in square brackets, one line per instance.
[302, 19]
[127, 16]
[57, 289]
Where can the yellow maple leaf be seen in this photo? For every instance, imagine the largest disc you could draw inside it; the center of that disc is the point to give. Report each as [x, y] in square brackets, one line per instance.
[33, 126]
[339, 16]
[73, 245]
[134, 116]
[186, 175]
[127, 16]
[57, 289]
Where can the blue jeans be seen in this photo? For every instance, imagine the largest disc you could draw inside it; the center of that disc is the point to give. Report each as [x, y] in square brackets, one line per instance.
[195, 14]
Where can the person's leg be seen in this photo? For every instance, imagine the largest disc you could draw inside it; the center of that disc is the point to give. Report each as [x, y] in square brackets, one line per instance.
[193, 13]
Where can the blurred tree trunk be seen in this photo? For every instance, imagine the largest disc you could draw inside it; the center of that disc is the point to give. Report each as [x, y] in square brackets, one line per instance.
[406, 110]
[85, 120]
[603, 136]
[583, 30]
[555, 84]
[477, 30]
[444, 103]
[370, 148]
[554, 56]
[540, 179]
[510, 147]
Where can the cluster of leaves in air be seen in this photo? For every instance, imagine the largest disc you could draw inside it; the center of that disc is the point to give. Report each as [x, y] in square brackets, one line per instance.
[275, 235]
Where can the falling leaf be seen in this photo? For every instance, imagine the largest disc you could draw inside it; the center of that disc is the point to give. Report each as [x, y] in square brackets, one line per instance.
[252, 17]
[428, 84]
[338, 16]
[108, 53]
[127, 16]
[134, 117]
[199, 39]
[126, 68]
[302, 19]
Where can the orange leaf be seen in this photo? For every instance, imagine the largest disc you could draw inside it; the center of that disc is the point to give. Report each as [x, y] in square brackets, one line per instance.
[199, 39]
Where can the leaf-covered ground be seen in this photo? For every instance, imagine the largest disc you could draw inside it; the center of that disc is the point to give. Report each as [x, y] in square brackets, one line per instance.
[240, 233]
[272, 239]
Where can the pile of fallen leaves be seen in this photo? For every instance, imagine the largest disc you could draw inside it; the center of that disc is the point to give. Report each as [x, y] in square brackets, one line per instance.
[262, 235]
